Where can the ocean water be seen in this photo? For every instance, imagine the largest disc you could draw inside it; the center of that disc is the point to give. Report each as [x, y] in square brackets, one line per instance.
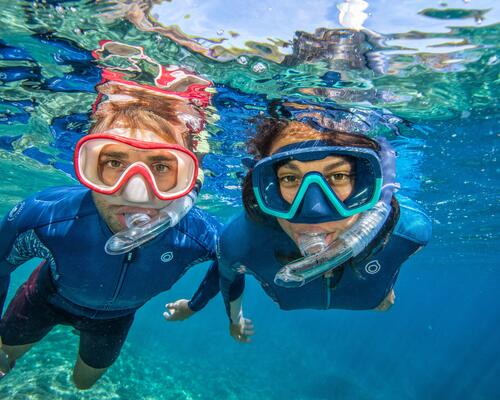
[432, 67]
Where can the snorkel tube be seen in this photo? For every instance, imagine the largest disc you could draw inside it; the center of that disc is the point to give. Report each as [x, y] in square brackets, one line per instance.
[352, 242]
[142, 228]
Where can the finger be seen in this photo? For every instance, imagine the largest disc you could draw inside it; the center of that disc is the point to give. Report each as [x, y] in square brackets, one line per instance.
[249, 332]
[242, 338]
[245, 339]
[250, 325]
[168, 316]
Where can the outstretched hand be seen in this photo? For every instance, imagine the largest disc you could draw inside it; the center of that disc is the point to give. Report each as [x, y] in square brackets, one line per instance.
[5, 365]
[178, 310]
[242, 331]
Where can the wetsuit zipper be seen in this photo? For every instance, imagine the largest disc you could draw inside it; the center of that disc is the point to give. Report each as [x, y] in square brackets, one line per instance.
[125, 265]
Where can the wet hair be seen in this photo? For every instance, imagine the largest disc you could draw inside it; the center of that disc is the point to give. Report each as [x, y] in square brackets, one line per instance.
[140, 110]
[270, 130]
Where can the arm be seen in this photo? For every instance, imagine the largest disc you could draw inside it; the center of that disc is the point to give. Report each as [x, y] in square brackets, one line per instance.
[232, 285]
[18, 242]
[8, 235]
[183, 309]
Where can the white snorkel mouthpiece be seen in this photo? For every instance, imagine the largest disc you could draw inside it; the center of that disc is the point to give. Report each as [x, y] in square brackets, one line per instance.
[312, 243]
[142, 227]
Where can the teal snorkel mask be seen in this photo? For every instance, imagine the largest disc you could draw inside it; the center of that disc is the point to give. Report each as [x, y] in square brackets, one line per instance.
[316, 201]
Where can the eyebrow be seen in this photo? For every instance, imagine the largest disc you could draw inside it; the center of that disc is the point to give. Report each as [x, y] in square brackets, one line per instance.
[125, 156]
[291, 165]
[162, 158]
[114, 154]
[336, 165]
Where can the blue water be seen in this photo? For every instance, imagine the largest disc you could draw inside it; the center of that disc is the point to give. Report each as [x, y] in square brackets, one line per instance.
[440, 73]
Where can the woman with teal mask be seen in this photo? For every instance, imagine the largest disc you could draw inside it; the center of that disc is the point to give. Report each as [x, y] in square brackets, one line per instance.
[321, 228]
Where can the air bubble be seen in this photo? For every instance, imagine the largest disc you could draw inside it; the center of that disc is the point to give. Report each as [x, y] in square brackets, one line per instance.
[259, 68]
[492, 60]
[220, 32]
[242, 60]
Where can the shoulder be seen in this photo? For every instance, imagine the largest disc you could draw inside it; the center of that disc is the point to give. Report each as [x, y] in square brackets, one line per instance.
[50, 206]
[413, 223]
[238, 236]
[201, 226]
[237, 229]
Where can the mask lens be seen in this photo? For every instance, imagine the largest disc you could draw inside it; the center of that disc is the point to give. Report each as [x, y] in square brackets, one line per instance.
[115, 159]
[337, 172]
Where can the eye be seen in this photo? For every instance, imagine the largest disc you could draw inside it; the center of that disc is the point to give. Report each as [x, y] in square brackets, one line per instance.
[289, 180]
[339, 178]
[115, 164]
[161, 168]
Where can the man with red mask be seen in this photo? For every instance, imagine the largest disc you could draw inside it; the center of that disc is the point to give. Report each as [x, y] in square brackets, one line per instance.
[128, 233]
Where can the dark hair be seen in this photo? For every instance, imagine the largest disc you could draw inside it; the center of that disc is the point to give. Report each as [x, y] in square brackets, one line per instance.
[271, 130]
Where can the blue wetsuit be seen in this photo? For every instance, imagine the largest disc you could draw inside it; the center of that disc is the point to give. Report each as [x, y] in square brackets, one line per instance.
[80, 284]
[361, 283]
[62, 225]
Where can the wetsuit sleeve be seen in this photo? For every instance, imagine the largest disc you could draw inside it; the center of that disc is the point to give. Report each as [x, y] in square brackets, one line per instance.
[8, 235]
[232, 282]
[414, 224]
[208, 288]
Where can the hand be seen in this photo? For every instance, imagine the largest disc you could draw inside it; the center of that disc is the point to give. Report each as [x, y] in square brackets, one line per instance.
[5, 365]
[388, 302]
[242, 331]
[178, 310]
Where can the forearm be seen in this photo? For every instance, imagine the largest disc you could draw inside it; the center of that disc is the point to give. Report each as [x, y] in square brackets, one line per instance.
[4, 287]
[7, 239]
[232, 293]
[208, 288]
[236, 310]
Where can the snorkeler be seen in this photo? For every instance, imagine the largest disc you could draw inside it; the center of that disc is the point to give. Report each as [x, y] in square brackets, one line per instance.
[321, 228]
[140, 179]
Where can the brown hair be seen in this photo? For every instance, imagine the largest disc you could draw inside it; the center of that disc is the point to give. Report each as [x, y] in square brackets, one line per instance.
[143, 110]
[269, 131]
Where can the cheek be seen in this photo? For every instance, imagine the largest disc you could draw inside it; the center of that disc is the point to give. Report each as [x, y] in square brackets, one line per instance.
[167, 182]
[286, 226]
[287, 194]
[109, 176]
[344, 192]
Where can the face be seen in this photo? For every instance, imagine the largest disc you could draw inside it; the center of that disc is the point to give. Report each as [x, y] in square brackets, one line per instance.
[338, 172]
[113, 160]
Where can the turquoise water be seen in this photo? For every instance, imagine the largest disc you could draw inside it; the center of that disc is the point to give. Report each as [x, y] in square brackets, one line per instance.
[434, 65]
